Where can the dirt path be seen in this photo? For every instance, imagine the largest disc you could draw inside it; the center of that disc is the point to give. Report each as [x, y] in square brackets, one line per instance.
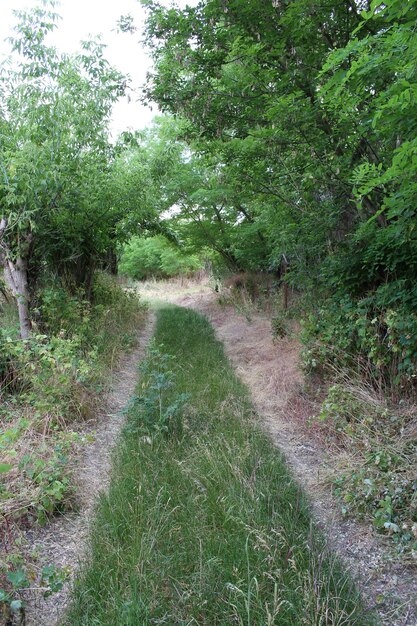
[271, 372]
[64, 541]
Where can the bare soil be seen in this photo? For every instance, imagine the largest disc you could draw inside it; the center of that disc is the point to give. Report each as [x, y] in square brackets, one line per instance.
[64, 541]
[271, 371]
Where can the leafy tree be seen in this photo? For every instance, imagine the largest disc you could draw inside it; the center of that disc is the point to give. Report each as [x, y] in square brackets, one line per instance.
[302, 117]
[157, 257]
[53, 155]
[246, 75]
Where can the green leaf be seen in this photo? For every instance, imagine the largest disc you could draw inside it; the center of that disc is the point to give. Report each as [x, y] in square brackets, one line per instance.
[17, 578]
[4, 596]
[16, 605]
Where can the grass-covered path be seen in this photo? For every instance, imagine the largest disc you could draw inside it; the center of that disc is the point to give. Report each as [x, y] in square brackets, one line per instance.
[203, 524]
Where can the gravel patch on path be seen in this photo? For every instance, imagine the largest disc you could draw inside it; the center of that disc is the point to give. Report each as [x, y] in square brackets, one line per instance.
[63, 542]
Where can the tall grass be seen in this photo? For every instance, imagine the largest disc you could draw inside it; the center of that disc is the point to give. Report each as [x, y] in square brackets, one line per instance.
[208, 527]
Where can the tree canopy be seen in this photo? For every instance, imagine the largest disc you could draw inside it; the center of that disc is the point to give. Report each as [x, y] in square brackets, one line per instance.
[288, 133]
[300, 127]
[55, 160]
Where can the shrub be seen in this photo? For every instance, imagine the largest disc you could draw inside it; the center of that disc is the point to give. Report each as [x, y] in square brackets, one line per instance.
[155, 257]
[60, 311]
[116, 315]
[51, 380]
[370, 334]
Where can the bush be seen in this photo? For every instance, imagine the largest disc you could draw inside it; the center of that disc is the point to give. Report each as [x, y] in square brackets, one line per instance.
[79, 337]
[116, 315]
[50, 381]
[372, 334]
[143, 258]
[59, 311]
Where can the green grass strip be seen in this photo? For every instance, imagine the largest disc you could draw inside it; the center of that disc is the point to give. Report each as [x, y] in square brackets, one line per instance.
[205, 525]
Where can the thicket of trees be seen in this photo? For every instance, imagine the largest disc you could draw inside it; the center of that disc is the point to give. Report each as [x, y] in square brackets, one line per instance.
[57, 217]
[290, 133]
[296, 136]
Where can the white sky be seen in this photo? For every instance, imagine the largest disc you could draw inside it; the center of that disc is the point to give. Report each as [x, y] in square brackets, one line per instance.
[81, 18]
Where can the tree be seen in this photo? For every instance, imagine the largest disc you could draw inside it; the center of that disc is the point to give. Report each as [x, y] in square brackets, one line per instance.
[247, 75]
[304, 111]
[53, 156]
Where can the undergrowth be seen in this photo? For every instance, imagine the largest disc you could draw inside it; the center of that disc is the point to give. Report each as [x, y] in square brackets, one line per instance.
[376, 473]
[49, 385]
[203, 523]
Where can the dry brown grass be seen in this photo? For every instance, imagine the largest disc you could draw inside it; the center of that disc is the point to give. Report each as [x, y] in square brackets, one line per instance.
[172, 288]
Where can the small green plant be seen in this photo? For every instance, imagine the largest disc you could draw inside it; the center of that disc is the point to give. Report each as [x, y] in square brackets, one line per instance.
[157, 410]
[11, 602]
[17, 581]
[279, 326]
[50, 480]
[53, 579]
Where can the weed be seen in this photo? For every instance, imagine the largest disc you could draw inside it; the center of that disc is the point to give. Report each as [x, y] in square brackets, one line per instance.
[18, 582]
[50, 381]
[156, 411]
[279, 326]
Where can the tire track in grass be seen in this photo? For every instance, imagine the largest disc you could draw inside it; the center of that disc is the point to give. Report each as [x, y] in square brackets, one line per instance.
[205, 526]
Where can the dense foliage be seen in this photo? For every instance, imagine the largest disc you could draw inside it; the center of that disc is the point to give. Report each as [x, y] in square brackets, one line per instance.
[155, 257]
[300, 144]
[56, 215]
[292, 141]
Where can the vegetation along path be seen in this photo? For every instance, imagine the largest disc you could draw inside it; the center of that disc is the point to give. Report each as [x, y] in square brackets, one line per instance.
[63, 541]
[203, 523]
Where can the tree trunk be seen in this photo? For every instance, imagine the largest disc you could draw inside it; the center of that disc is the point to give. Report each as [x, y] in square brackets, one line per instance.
[284, 267]
[111, 265]
[16, 278]
[89, 281]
